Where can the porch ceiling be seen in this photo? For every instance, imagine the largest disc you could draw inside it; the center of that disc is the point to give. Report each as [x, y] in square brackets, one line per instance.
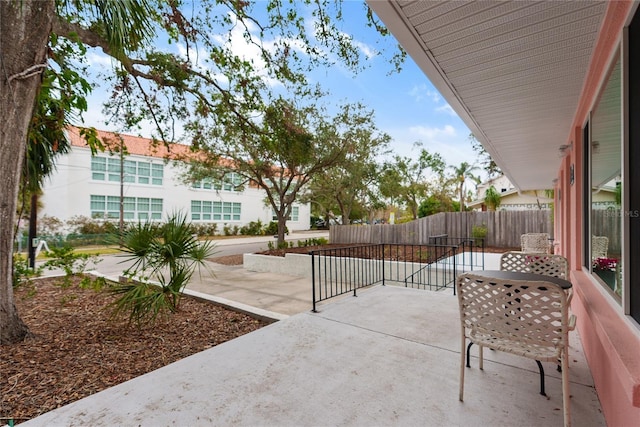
[513, 71]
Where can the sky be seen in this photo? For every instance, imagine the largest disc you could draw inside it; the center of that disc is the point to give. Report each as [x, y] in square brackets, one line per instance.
[407, 106]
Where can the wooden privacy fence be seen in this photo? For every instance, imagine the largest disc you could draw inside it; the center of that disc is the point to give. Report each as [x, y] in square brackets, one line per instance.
[503, 228]
[608, 222]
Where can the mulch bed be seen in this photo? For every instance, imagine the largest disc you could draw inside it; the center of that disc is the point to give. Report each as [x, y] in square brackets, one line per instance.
[76, 349]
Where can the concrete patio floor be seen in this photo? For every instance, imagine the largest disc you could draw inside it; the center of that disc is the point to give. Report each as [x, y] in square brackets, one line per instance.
[387, 357]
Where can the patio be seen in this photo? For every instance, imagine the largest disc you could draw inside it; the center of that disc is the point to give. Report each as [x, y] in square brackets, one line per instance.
[387, 357]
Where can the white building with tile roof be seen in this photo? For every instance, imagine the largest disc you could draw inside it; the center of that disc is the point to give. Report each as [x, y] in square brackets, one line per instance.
[152, 187]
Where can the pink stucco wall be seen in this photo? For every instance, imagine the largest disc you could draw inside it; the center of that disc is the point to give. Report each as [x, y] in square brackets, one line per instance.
[610, 339]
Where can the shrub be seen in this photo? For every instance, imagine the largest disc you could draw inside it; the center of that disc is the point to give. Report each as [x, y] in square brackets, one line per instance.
[254, 228]
[172, 248]
[312, 242]
[50, 226]
[71, 263]
[272, 228]
[479, 232]
[205, 229]
[22, 273]
[85, 225]
[230, 230]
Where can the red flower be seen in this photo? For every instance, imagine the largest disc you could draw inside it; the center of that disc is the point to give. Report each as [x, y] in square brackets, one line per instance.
[605, 264]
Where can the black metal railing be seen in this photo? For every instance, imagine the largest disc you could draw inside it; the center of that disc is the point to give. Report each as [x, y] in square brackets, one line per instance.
[471, 250]
[339, 271]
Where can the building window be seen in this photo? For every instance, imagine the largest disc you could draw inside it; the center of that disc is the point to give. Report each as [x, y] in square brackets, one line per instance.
[108, 207]
[98, 168]
[632, 175]
[144, 172]
[231, 182]
[98, 206]
[604, 161]
[204, 210]
[129, 171]
[108, 169]
[157, 172]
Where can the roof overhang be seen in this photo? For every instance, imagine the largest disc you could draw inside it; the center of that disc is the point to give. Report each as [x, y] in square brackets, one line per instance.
[513, 71]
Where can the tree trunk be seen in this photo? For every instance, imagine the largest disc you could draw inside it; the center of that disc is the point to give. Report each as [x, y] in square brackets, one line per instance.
[282, 227]
[25, 26]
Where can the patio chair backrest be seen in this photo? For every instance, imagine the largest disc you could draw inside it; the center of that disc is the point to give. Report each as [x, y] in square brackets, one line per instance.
[535, 242]
[599, 246]
[527, 318]
[547, 264]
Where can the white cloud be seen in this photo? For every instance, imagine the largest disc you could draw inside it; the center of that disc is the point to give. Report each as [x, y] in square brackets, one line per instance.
[448, 141]
[99, 59]
[367, 50]
[446, 108]
[422, 91]
[432, 133]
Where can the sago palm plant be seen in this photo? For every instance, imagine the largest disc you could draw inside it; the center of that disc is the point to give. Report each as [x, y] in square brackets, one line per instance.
[164, 260]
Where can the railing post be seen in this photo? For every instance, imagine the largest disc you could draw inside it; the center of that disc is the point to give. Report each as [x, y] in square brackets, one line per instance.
[382, 258]
[455, 274]
[313, 280]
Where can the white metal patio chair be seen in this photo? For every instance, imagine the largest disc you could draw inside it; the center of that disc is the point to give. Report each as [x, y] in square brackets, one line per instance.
[545, 264]
[536, 242]
[525, 318]
[599, 246]
[537, 263]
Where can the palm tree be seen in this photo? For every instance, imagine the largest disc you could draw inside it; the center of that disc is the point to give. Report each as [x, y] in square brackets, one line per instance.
[492, 198]
[463, 173]
[170, 249]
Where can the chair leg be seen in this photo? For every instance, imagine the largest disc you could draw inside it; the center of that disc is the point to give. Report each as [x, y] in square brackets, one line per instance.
[469, 354]
[565, 389]
[541, 369]
[462, 358]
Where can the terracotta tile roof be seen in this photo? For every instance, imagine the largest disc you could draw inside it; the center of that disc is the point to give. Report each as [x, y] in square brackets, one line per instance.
[142, 146]
[135, 144]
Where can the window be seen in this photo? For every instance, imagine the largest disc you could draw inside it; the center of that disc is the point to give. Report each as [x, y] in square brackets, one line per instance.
[604, 160]
[196, 210]
[129, 208]
[98, 206]
[157, 171]
[113, 207]
[108, 207]
[231, 182]
[215, 211]
[630, 187]
[108, 169]
[113, 167]
[156, 208]
[144, 172]
[143, 206]
[129, 171]
[98, 168]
